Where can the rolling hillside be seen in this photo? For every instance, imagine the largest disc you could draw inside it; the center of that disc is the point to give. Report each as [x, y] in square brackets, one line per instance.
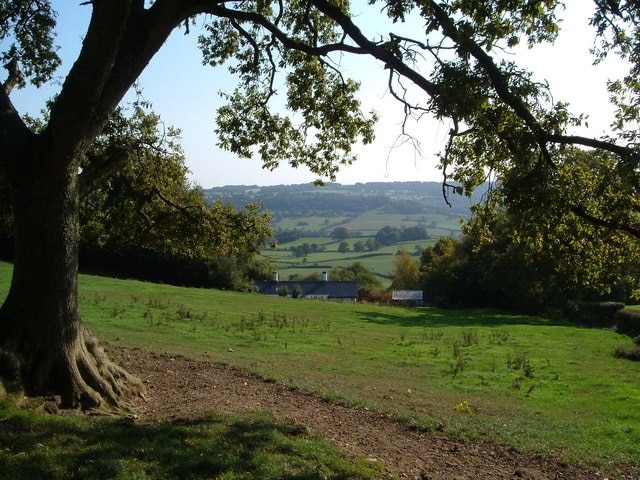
[308, 214]
[362, 208]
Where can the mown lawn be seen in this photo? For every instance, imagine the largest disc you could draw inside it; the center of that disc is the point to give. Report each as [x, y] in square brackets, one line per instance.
[522, 381]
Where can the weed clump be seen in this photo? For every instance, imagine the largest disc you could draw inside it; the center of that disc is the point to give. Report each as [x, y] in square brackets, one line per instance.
[464, 407]
[498, 337]
[521, 361]
[627, 352]
[469, 337]
[460, 358]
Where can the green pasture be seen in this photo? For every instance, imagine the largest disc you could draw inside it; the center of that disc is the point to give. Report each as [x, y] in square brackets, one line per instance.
[325, 241]
[526, 382]
[310, 223]
[331, 245]
[370, 222]
[379, 261]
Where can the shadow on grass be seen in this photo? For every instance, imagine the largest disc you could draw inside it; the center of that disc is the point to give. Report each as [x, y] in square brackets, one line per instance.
[35, 446]
[437, 317]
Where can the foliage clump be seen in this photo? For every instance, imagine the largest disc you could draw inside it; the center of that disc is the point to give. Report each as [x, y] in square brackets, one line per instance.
[628, 322]
[498, 265]
[628, 352]
[594, 314]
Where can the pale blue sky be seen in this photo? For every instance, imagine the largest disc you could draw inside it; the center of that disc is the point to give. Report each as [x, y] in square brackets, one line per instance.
[185, 94]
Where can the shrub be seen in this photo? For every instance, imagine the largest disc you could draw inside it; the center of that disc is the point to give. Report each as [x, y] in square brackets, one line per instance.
[629, 352]
[628, 322]
[377, 298]
[595, 314]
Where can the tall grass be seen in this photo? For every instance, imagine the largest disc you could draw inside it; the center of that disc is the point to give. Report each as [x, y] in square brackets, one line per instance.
[522, 381]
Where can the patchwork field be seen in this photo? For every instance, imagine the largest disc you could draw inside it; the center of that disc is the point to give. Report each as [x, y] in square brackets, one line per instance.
[311, 213]
[379, 261]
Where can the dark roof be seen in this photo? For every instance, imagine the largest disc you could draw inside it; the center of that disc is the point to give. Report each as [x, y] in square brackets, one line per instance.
[311, 289]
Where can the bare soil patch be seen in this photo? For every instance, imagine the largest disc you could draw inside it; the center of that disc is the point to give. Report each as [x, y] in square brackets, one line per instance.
[179, 388]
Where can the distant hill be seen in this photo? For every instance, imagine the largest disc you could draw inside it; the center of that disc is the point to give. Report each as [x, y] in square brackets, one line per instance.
[363, 207]
[304, 217]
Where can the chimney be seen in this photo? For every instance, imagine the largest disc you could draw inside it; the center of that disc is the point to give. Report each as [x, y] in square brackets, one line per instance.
[325, 277]
[275, 276]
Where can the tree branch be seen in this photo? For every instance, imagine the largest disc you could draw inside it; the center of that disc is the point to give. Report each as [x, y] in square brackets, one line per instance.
[581, 212]
[590, 142]
[286, 40]
[378, 51]
[187, 211]
[14, 132]
[498, 79]
[71, 121]
[100, 168]
[14, 76]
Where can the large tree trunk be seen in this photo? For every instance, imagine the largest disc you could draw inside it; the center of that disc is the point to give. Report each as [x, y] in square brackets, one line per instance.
[39, 321]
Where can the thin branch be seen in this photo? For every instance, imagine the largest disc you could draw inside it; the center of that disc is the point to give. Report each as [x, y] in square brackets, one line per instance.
[378, 51]
[581, 212]
[285, 39]
[187, 211]
[453, 132]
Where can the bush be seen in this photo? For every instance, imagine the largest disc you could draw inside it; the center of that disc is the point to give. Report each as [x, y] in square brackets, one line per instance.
[627, 352]
[628, 322]
[376, 298]
[146, 265]
[595, 314]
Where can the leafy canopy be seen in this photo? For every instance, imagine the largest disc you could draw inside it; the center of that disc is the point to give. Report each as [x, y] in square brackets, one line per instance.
[150, 204]
[29, 27]
[293, 104]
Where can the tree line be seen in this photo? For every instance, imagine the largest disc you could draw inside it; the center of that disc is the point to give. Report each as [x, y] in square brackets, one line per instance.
[330, 200]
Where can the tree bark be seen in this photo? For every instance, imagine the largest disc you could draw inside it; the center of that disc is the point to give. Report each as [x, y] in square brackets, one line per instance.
[40, 327]
[39, 321]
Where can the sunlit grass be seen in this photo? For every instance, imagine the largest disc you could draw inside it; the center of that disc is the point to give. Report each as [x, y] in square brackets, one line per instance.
[522, 381]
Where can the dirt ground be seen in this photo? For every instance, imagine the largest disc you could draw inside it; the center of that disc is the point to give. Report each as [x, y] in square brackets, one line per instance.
[179, 388]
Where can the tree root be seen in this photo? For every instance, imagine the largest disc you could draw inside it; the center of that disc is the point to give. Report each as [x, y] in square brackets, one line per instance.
[78, 376]
[96, 381]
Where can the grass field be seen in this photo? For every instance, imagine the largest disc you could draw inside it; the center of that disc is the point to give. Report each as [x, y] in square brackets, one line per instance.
[521, 381]
[379, 261]
[370, 222]
[310, 223]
